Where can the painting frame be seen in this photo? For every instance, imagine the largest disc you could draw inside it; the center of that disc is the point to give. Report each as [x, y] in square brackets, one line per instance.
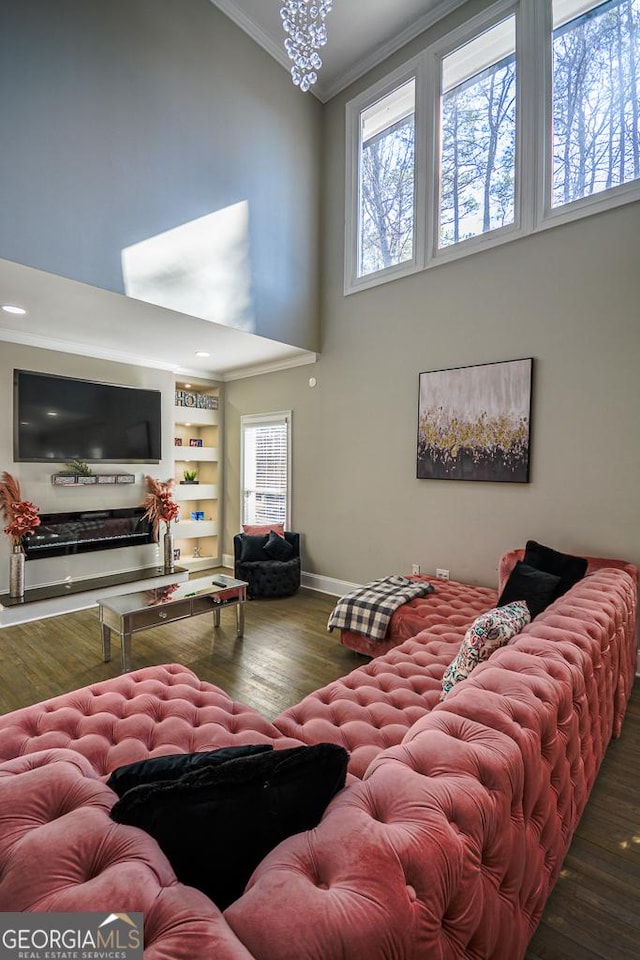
[474, 422]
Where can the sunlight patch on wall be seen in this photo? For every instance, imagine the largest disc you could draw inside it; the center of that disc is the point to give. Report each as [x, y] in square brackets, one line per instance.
[201, 268]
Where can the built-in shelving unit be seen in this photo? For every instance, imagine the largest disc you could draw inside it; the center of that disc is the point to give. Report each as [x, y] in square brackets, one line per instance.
[197, 442]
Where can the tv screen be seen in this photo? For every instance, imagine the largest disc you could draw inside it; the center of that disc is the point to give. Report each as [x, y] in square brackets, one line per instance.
[59, 419]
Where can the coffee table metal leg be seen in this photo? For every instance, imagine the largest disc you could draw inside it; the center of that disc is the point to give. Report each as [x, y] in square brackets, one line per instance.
[106, 642]
[125, 639]
[216, 617]
[240, 618]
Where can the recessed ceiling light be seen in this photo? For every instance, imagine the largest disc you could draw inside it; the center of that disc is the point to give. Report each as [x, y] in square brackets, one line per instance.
[51, 413]
[187, 386]
[12, 308]
[202, 353]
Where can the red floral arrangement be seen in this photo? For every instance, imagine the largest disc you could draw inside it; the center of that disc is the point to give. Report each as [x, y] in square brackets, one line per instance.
[22, 515]
[160, 505]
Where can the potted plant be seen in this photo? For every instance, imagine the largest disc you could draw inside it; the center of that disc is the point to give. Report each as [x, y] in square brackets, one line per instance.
[81, 470]
[161, 507]
[190, 476]
[22, 519]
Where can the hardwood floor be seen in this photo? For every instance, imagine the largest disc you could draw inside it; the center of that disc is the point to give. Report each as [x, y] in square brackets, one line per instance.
[594, 910]
[286, 653]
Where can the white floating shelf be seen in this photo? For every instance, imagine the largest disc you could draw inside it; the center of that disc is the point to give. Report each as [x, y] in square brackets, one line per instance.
[192, 529]
[196, 416]
[187, 454]
[195, 491]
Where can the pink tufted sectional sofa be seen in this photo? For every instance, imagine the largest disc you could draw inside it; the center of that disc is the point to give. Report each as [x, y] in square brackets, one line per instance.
[445, 842]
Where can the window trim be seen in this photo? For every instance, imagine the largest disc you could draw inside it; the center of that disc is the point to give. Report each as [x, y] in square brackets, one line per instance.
[252, 419]
[412, 70]
[533, 212]
[435, 55]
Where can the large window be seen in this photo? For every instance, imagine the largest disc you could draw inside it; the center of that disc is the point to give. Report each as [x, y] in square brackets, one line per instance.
[266, 468]
[387, 158]
[525, 116]
[596, 57]
[478, 135]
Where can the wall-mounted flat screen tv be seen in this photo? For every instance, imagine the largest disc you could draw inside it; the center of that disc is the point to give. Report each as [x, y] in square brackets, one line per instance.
[57, 419]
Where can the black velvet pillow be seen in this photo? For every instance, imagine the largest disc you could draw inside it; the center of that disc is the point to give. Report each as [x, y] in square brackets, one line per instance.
[252, 548]
[175, 765]
[535, 587]
[570, 569]
[216, 823]
[278, 548]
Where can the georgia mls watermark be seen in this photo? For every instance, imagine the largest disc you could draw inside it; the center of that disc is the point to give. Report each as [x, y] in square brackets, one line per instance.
[71, 936]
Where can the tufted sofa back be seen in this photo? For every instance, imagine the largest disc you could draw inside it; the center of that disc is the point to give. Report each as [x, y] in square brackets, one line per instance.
[447, 847]
[509, 559]
[454, 838]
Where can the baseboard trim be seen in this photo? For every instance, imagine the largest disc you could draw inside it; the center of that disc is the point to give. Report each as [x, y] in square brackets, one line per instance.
[337, 588]
[312, 581]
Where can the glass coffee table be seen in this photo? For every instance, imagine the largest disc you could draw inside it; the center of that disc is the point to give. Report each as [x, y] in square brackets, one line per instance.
[133, 612]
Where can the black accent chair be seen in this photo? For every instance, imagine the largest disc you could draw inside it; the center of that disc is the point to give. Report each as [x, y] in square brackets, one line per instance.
[267, 577]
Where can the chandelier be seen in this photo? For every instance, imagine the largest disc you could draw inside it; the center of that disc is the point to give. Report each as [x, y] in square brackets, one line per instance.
[303, 22]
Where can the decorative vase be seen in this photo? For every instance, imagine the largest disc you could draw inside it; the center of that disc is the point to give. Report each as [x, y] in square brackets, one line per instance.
[16, 572]
[169, 562]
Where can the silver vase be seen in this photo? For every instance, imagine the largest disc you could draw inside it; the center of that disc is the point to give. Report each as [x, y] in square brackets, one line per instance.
[16, 572]
[169, 562]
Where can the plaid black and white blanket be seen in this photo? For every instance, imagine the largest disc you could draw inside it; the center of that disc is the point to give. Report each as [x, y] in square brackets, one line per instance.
[368, 609]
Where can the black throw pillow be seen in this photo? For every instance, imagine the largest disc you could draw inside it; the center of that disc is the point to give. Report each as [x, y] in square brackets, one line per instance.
[278, 548]
[570, 569]
[172, 766]
[252, 548]
[535, 587]
[216, 823]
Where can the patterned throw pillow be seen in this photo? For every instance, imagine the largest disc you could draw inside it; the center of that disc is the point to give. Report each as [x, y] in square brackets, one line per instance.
[491, 630]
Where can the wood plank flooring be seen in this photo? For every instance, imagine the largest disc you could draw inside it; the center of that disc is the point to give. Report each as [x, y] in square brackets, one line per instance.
[593, 912]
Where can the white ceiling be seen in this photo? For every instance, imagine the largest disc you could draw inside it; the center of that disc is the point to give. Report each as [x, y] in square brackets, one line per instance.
[74, 317]
[361, 33]
[65, 315]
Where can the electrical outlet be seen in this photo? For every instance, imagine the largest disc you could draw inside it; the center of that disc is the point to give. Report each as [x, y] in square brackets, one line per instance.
[442, 574]
[415, 569]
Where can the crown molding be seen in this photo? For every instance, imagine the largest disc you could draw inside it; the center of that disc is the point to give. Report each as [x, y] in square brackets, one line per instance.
[325, 90]
[241, 373]
[119, 356]
[83, 350]
[371, 60]
[239, 17]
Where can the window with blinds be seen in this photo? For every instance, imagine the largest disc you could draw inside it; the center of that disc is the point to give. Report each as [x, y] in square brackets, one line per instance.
[266, 468]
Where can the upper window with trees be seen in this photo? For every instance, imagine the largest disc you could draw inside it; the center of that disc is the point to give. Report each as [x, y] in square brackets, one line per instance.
[478, 135]
[524, 116]
[596, 56]
[386, 215]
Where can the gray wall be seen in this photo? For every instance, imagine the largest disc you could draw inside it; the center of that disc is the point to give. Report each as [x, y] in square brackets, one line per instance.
[567, 297]
[124, 118]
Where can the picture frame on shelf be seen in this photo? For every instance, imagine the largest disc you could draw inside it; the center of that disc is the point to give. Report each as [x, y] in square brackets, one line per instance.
[177, 441]
[197, 514]
[195, 442]
[176, 553]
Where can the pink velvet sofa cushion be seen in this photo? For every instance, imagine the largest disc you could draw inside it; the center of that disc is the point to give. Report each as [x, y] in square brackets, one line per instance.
[452, 602]
[447, 847]
[453, 840]
[145, 713]
[60, 851]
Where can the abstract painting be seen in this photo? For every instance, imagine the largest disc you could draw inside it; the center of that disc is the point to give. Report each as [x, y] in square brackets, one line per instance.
[474, 423]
